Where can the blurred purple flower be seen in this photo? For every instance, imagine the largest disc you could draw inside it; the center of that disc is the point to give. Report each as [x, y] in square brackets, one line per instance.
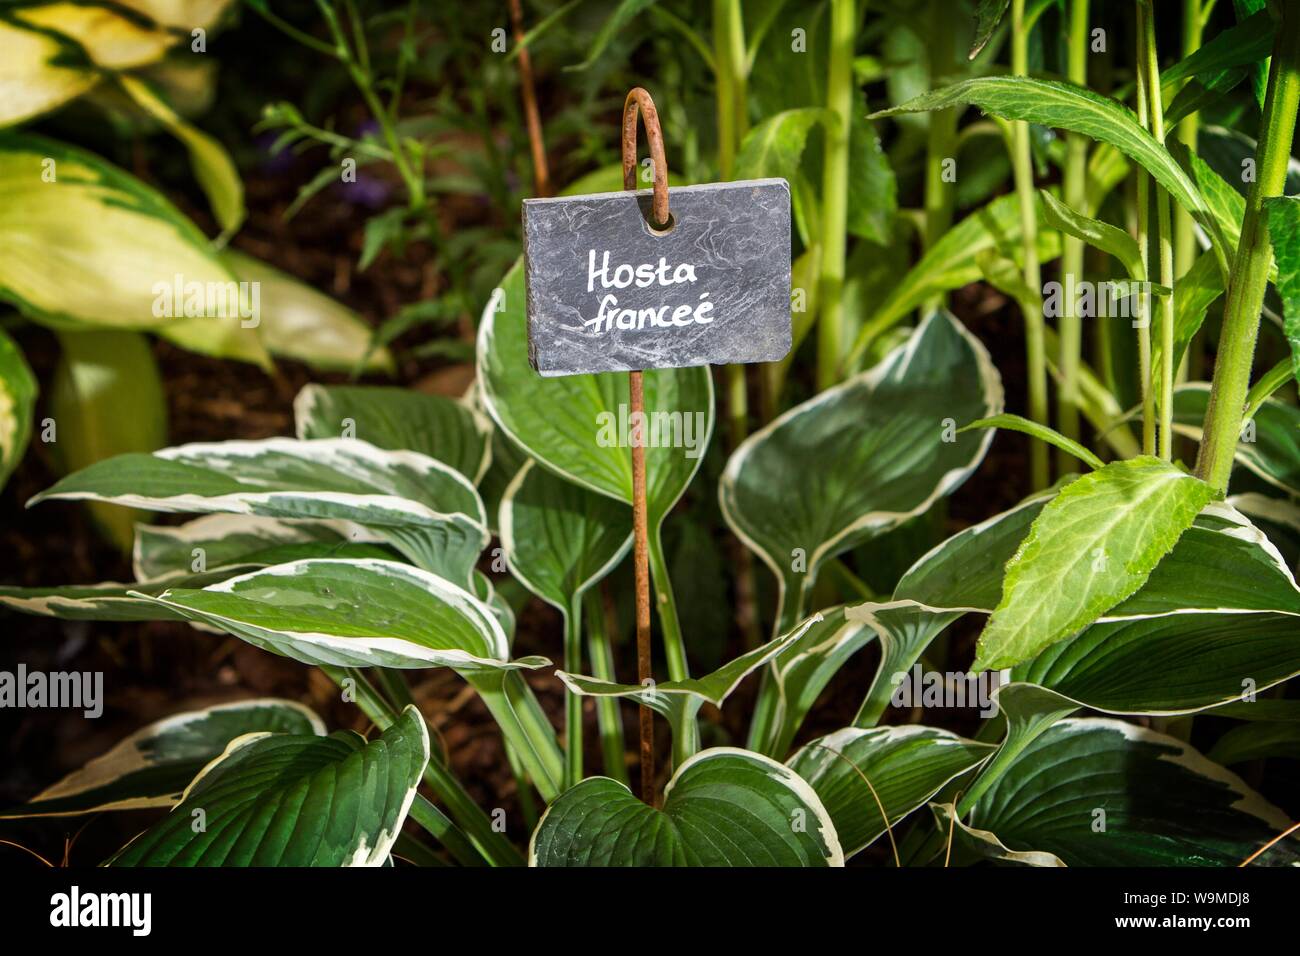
[368, 192]
[273, 163]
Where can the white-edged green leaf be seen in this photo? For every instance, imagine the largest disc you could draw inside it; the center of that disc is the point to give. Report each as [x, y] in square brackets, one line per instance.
[292, 800]
[1164, 804]
[857, 771]
[975, 845]
[1257, 741]
[17, 405]
[865, 456]
[1284, 231]
[1098, 234]
[107, 399]
[299, 323]
[723, 807]
[1070, 107]
[153, 766]
[905, 629]
[1091, 547]
[213, 168]
[425, 508]
[119, 274]
[354, 613]
[572, 424]
[560, 539]
[110, 600]
[398, 419]
[1018, 423]
[101, 35]
[223, 540]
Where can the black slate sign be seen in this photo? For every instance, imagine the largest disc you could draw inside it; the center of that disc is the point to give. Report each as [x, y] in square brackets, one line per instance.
[607, 293]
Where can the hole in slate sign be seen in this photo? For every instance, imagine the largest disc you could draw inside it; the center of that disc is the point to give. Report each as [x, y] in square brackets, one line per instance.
[646, 204]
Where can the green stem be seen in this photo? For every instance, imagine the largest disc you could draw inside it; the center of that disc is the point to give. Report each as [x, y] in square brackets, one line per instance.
[666, 606]
[941, 136]
[1144, 244]
[1074, 187]
[1245, 296]
[573, 702]
[1155, 111]
[601, 651]
[515, 710]
[436, 823]
[1022, 163]
[494, 847]
[835, 188]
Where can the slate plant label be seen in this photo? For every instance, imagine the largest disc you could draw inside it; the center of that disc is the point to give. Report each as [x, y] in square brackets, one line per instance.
[607, 293]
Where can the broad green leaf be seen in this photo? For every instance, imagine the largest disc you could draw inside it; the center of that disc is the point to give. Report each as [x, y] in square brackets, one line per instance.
[856, 772]
[1243, 44]
[1284, 230]
[775, 147]
[152, 767]
[971, 844]
[398, 419]
[120, 274]
[1224, 204]
[111, 600]
[33, 77]
[213, 168]
[573, 425]
[723, 807]
[1175, 664]
[1257, 741]
[873, 189]
[297, 322]
[293, 800]
[560, 539]
[354, 613]
[865, 456]
[1093, 546]
[225, 540]
[951, 262]
[17, 405]
[426, 509]
[1164, 803]
[1194, 293]
[1098, 234]
[1070, 107]
[107, 399]
[1018, 423]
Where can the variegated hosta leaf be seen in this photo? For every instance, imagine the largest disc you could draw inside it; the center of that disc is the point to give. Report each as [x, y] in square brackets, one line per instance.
[225, 540]
[110, 600]
[398, 419]
[865, 456]
[426, 509]
[358, 613]
[1100, 792]
[723, 807]
[121, 274]
[800, 673]
[152, 767]
[968, 844]
[561, 539]
[1091, 547]
[857, 771]
[578, 425]
[290, 800]
[297, 322]
[17, 405]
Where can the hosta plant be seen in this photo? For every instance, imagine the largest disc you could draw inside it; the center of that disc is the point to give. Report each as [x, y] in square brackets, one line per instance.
[1146, 578]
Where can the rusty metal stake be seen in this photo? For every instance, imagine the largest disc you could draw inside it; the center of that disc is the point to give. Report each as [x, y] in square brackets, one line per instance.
[639, 101]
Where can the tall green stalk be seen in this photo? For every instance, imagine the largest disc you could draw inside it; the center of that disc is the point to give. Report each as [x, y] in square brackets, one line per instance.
[599, 645]
[1188, 132]
[941, 137]
[666, 606]
[1022, 164]
[1144, 243]
[1075, 189]
[835, 193]
[1155, 116]
[573, 702]
[1245, 295]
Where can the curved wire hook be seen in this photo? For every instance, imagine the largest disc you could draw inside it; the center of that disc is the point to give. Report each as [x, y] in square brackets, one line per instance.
[639, 101]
